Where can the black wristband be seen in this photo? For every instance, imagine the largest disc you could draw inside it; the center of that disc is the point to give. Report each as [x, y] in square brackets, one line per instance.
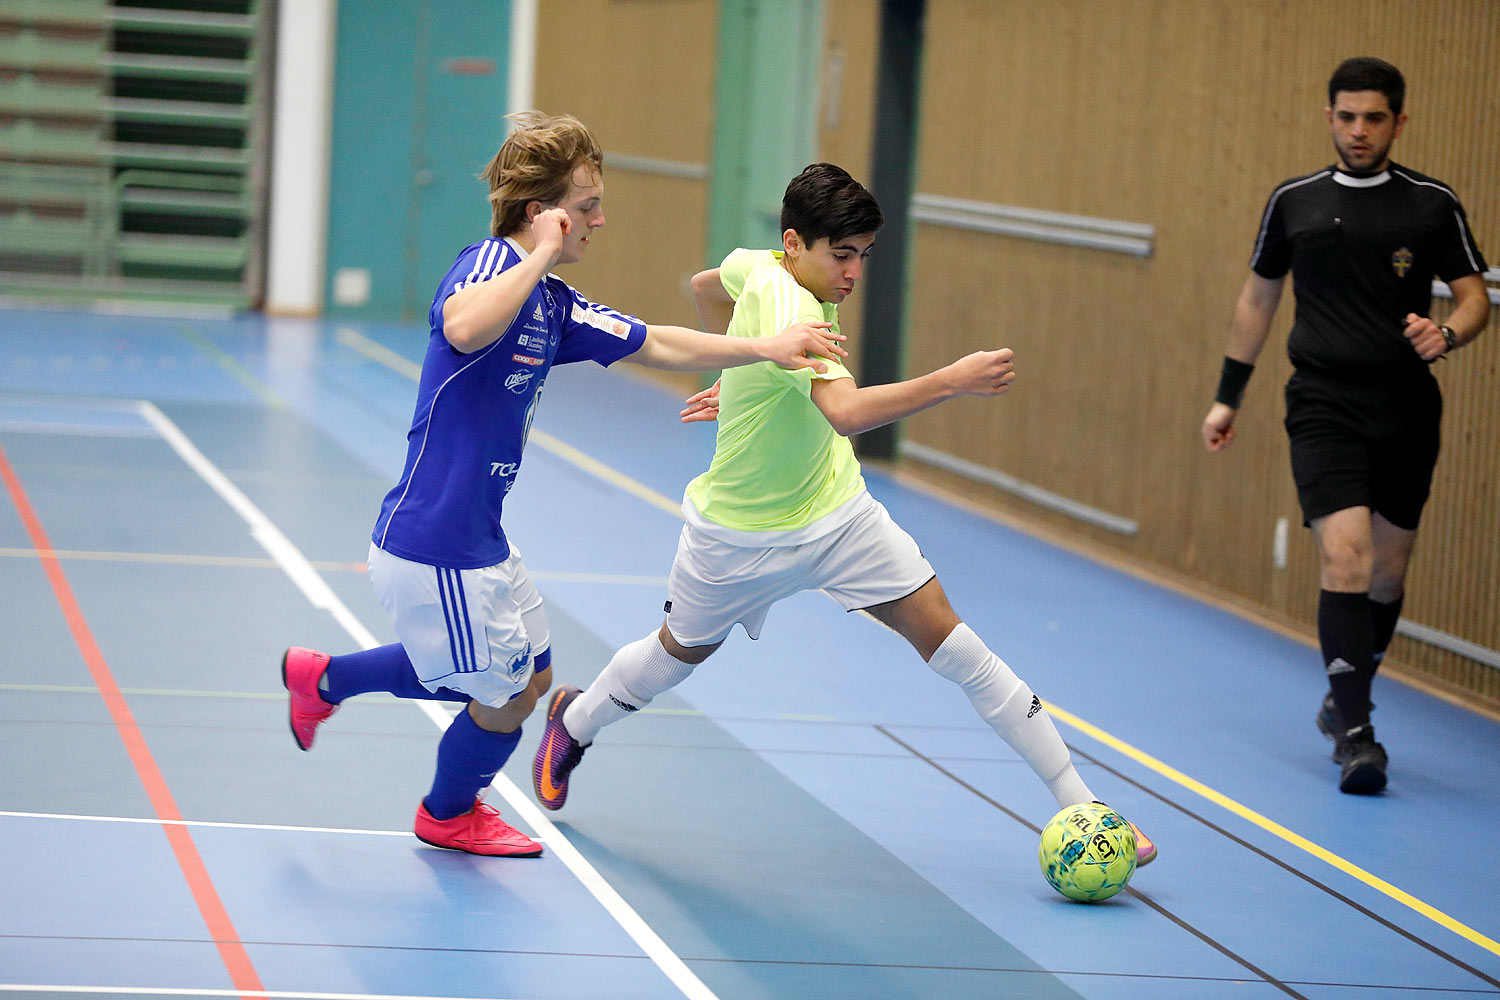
[1232, 382]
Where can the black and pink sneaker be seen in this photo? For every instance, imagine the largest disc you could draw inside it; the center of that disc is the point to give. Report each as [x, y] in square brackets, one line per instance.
[558, 753]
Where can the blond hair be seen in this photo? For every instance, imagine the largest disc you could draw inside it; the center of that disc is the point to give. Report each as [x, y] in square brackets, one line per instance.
[536, 163]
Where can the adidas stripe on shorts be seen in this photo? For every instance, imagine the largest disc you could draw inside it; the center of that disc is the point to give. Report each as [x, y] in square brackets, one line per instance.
[470, 630]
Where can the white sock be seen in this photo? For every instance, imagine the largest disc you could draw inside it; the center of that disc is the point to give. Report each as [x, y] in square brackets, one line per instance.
[636, 673]
[1005, 702]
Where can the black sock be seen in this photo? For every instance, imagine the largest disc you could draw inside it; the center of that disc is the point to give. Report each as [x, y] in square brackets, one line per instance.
[1384, 617]
[1347, 635]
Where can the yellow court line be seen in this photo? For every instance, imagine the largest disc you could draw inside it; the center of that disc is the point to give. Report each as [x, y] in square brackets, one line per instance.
[380, 354]
[231, 367]
[612, 476]
[1276, 829]
[617, 478]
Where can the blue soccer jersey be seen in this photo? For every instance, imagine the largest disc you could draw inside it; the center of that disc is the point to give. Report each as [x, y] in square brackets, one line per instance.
[474, 411]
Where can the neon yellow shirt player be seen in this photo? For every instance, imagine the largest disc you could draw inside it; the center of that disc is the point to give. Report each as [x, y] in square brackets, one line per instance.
[783, 507]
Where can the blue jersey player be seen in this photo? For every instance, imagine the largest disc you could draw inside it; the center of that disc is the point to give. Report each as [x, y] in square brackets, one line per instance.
[470, 622]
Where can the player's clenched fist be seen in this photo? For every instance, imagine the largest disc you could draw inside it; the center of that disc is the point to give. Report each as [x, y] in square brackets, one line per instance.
[985, 373]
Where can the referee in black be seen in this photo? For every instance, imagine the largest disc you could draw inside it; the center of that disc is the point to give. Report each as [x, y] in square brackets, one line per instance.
[1363, 240]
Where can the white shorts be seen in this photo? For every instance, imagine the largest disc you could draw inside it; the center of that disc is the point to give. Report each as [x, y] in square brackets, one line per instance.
[714, 584]
[475, 631]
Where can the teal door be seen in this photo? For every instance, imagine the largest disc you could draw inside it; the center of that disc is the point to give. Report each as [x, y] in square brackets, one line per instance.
[418, 110]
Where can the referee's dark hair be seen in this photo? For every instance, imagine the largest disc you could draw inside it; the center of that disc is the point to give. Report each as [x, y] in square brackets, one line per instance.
[824, 200]
[1369, 73]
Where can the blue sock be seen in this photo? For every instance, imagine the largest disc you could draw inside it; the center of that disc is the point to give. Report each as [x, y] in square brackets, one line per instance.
[468, 759]
[384, 668]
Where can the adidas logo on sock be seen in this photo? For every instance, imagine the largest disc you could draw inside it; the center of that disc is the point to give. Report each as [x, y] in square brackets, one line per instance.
[1036, 706]
[1340, 666]
[623, 705]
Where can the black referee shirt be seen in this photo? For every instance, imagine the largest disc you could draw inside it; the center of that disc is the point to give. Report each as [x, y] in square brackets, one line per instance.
[1363, 252]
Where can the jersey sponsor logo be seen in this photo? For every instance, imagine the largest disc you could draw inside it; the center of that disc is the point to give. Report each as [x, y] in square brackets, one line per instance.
[516, 381]
[599, 321]
[525, 359]
[504, 468]
[1401, 262]
[537, 315]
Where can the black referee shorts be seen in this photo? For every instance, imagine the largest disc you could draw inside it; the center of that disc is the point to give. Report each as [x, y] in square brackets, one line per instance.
[1363, 444]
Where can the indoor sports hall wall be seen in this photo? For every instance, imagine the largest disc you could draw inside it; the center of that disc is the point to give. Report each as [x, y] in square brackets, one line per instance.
[657, 114]
[641, 76]
[1182, 116]
[1148, 126]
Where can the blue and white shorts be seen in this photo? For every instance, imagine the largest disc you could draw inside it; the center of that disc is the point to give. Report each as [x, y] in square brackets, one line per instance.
[476, 631]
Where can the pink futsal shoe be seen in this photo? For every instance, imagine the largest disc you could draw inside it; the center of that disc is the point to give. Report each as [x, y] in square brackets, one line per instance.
[558, 753]
[301, 670]
[1145, 850]
[478, 831]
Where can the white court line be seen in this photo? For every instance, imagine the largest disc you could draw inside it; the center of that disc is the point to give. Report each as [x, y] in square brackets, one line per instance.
[207, 823]
[302, 573]
[167, 991]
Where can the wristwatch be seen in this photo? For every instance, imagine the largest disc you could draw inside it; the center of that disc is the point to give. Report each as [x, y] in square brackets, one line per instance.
[1449, 337]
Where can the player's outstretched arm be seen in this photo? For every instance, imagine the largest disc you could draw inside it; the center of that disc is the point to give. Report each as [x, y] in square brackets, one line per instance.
[853, 409]
[801, 345]
[1253, 311]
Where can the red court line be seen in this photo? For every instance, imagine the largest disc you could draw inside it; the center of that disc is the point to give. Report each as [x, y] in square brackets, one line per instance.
[231, 950]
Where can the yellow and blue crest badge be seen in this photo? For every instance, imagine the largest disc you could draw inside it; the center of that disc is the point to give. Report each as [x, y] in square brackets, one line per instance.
[1401, 262]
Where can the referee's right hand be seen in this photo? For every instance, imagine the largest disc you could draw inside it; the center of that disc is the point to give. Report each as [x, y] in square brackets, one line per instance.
[1218, 427]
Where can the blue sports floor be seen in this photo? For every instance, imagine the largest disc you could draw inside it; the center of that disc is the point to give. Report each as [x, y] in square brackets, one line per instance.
[815, 815]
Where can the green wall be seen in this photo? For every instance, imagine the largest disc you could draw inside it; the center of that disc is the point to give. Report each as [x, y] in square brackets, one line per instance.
[765, 116]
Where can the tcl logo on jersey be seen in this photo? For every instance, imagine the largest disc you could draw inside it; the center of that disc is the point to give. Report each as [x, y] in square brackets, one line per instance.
[504, 468]
[525, 359]
[516, 381]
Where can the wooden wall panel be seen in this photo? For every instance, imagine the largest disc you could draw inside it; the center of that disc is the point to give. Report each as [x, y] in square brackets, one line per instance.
[1182, 114]
[846, 115]
[1185, 115]
[640, 74]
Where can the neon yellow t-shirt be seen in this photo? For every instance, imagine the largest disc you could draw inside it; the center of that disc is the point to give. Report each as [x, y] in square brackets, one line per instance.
[778, 463]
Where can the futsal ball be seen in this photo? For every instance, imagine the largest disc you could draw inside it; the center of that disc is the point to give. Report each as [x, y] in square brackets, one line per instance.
[1087, 852]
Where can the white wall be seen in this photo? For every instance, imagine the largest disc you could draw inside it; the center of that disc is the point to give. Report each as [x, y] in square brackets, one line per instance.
[299, 157]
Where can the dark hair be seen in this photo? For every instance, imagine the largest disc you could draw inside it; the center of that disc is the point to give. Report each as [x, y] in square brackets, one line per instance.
[1368, 73]
[824, 200]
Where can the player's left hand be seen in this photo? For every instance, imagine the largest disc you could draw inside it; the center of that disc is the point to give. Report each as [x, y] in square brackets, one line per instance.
[702, 407]
[805, 345]
[1425, 337]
